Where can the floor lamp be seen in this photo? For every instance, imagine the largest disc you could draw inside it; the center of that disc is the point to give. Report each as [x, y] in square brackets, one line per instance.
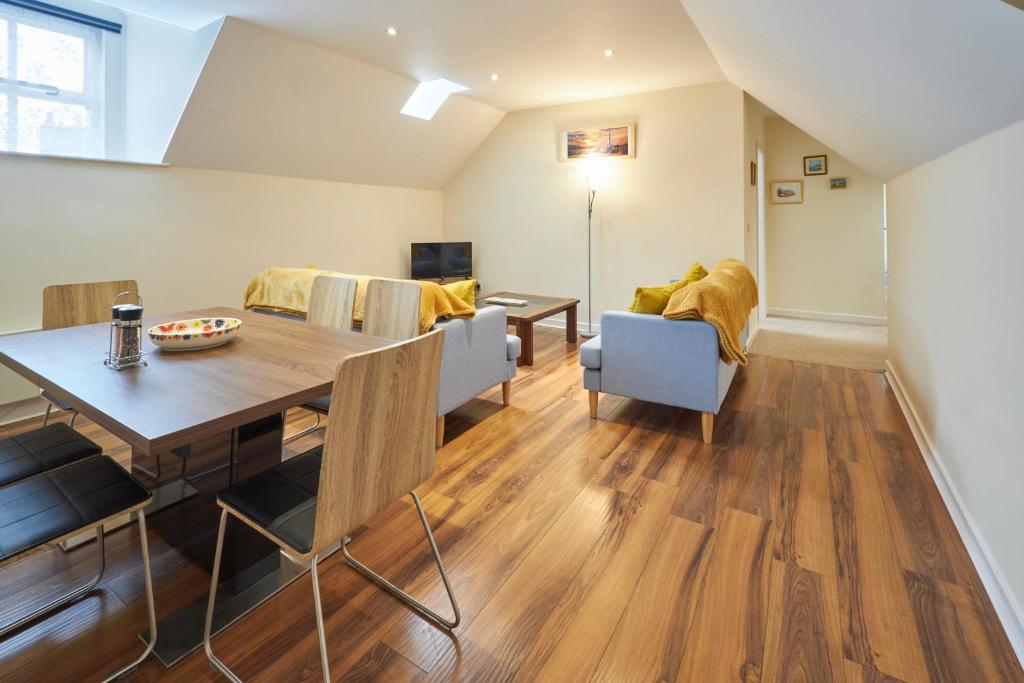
[589, 170]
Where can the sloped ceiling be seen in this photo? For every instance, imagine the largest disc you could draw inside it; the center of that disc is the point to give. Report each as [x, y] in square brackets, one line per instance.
[889, 84]
[266, 103]
[544, 51]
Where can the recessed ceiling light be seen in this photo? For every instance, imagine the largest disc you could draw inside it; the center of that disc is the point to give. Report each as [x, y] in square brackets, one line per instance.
[494, 77]
[609, 52]
[428, 97]
[392, 31]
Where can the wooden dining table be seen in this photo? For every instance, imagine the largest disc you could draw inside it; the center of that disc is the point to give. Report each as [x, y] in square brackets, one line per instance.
[236, 393]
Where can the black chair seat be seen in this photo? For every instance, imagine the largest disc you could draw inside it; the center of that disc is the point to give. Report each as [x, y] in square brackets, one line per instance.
[55, 401]
[25, 455]
[62, 501]
[321, 405]
[281, 500]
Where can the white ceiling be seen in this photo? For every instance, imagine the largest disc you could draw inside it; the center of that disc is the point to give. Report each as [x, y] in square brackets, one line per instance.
[544, 51]
[889, 84]
[266, 103]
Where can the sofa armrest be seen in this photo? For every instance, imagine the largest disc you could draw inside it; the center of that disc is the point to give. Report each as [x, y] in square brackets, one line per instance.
[666, 361]
[475, 357]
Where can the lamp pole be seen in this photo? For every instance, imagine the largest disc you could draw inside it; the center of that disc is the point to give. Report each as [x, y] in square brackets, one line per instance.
[591, 195]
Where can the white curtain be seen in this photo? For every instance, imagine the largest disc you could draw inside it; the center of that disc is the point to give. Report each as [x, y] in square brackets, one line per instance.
[51, 85]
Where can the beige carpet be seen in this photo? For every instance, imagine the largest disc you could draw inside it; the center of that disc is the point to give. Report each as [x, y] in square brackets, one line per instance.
[846, 345]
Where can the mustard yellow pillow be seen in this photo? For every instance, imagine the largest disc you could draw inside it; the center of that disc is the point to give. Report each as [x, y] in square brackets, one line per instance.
[652, 300]
[465, 291]
[696, 272]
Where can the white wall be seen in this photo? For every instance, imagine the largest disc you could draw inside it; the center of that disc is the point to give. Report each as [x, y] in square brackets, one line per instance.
[162, 64]
[825, 255]
[956, 235]
[191, 238]
[680, 200]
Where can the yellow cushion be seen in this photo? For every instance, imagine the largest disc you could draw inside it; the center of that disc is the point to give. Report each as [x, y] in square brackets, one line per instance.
[464, 290]
[652, 300]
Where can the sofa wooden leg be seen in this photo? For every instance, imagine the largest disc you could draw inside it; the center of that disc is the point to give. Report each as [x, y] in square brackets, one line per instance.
[707, 425]
[593, 405]
[439, 434]
[506, 392]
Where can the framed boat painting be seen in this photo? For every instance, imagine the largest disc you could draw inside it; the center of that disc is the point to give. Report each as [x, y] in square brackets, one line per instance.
[787, 191]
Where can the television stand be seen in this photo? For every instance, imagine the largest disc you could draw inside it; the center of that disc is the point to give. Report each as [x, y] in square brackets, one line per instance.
[446, 280]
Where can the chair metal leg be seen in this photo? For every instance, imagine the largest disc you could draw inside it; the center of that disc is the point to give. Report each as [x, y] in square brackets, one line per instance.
[219, 665]
[150, 606]
[46, 416]
[307, 430]
[398, 592]
[320, 620]
[66, 598]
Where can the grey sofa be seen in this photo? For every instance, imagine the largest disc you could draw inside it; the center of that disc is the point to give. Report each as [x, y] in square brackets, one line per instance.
[647, 357]
[478, 354]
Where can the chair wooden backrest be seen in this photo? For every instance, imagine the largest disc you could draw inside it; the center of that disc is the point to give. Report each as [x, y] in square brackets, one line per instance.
[332, 302]
[82, 304]
[392, 309]
[379, 443]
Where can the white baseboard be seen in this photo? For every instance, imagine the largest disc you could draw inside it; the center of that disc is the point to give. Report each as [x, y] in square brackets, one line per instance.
[22, 410]
[829, 317]
[999, 591]
[751, 337]
[560, 325]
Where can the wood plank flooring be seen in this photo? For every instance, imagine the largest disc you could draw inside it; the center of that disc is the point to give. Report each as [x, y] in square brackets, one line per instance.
[807, 543]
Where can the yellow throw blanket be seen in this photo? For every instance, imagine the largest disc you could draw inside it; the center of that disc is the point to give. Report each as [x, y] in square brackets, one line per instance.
[287, 290]
[724, 299]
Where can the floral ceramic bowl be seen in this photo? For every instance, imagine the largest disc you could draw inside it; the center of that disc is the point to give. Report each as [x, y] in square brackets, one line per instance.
[198, 333]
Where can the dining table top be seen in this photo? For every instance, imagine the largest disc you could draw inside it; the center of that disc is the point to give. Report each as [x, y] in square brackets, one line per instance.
[179, 397]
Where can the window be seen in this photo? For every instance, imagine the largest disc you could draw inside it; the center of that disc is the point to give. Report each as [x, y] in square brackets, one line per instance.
[52, 82]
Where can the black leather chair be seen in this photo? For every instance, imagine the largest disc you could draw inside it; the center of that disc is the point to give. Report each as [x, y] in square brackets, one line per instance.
[64, 502]
[28, 454]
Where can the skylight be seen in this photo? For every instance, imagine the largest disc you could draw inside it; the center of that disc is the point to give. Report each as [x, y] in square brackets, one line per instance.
[428, 97]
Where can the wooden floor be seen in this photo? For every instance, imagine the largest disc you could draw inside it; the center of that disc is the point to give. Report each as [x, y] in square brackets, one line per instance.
[808, 543]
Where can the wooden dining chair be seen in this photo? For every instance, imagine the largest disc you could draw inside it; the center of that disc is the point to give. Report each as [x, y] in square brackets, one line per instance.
[84, 303]
[392, 309]
[379, 446]
[332, 302]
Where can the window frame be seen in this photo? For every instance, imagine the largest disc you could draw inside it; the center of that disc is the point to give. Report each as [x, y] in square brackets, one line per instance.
[103, 53]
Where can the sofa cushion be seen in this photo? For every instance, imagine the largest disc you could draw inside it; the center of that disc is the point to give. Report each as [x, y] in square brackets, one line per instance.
[465, 290]
[590, 353]
[652, 300]
[513, 347]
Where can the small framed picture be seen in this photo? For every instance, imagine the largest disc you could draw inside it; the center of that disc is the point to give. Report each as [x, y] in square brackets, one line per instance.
[787, 191]
[583, 143]
[753, 173]
[837, 183]
[816, 165]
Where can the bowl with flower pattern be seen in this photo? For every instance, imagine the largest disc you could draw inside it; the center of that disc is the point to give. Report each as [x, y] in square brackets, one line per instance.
[197, 333]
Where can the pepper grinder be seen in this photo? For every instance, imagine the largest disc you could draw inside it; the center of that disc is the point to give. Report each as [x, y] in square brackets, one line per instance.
[125, 347]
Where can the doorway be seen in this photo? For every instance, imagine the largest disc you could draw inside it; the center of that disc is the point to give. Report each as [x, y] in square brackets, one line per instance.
[762, 268]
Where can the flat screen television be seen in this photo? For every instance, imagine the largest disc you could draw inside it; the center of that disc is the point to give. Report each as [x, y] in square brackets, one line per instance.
[441, 260]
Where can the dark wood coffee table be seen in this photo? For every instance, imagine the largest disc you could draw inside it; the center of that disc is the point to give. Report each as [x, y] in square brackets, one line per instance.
[537, 308]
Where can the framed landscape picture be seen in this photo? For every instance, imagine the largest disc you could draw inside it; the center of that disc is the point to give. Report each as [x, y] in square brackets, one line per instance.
[610, 141]
[816, 165]
[837, 183]
[787, 191]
